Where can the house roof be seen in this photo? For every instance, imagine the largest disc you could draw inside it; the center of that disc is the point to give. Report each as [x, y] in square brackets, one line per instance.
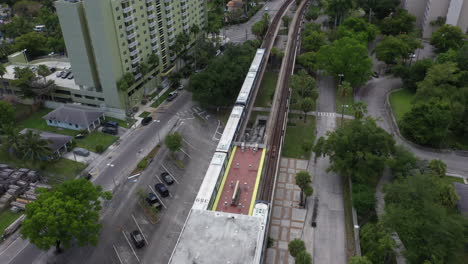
[235, 4]
[74, 114]
[56, 141]
[462, 191]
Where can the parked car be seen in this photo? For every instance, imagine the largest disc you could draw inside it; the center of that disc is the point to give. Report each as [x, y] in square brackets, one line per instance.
[181, 87]
[52, 69]
[146, 120]
[172, 96]
[137, 238]
[110, 130]
[65, 75]
[81, 152]
[375, 74]
[153, 201]
[70, 76]
[167, 178]
[59, 74]
[161, 189]
[111, 124]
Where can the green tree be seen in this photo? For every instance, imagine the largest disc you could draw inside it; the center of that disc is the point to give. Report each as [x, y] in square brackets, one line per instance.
[173, 142]
[377, 243]
[303, 257]
[307, 104]
[401, 22]
[359, 260]
[313, 41]
[11, 139]
[286, 21]
[359, 150]
[427, 123]
[296, 246]
[447, 37]
[303, 85]
[7, 113]
[3, 71]
[363, 199]
[308, 61]
[337, 9]
[402, 162]
[43, 71]
[26, 8]
[153, 60]
[346, 56]
[195, 29]
[438, 167]
[414, 74]
[303, 180]
[18, 26]
[258, 29]
[358, 28]
[33, 148]
[378, 8]
[392, 50]
[67, 213]
[35, 43]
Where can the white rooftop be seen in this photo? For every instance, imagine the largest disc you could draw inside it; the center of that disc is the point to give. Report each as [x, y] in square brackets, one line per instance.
[218, 237]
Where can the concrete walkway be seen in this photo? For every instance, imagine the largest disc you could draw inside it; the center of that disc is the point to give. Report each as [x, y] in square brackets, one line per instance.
[312, 113]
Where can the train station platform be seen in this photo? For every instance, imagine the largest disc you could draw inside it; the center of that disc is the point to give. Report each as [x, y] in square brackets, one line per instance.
[240, 181]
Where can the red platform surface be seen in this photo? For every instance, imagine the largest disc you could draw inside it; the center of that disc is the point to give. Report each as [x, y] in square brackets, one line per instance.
[244, 168]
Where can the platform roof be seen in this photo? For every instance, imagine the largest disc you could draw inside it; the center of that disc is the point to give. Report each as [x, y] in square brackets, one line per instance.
[211, 237]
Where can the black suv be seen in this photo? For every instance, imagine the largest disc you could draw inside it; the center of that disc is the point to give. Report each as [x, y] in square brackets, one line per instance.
[153, 201]
[162, 189]
[111, 124]
[110, 130]
[167, 178]
[146, 120]
[137, 238]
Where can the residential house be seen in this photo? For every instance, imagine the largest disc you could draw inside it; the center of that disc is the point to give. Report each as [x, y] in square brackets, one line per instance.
[57, 142]
[75, 117]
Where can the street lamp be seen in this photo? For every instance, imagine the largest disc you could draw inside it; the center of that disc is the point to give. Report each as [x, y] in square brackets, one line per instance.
[25, 57]
[342, 113]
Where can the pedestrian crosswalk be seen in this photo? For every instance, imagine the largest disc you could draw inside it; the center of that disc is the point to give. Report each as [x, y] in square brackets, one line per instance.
[329, 114]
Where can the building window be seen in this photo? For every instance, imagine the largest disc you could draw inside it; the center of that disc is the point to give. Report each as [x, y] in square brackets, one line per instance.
[141, 7]
[118, 17]
[121, 35]
[76, 126]
[77, 95]
[144, 32]
[101, 99]
[120, 26]
[89, 97]
[126, 61]
[125, 53]
[128, 68]
[70, 124]
[117, 9]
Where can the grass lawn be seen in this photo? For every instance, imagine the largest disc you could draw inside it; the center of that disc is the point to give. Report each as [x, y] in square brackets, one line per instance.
[267, 89]
[348, 214]
[94, 139]
[401, 102]
[347, 100]
[161, 99]
[6, 218]
[450, 179]
[144, 114]
[35, 121]
[298, 135]
[122, 123]
[55, 171]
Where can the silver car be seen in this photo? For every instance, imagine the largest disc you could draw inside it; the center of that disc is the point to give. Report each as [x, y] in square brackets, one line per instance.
[81, 152]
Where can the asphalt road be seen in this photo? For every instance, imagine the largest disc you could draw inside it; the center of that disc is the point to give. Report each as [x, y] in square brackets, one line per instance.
[121, 215]
[329, 237]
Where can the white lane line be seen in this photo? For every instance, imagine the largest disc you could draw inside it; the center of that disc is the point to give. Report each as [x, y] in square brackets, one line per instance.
[17, 253]
[172, 175]
[128, 241]
[117, 253]
[159, 198]
[17, 239]
[186, 153]
[189, 144]
[139, 228]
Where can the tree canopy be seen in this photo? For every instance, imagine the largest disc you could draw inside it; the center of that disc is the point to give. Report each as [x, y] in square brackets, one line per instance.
[401, 22]
[296, 246]
[357, 28]
[346, 56]
[447, 37]
[7, 113]
[173, 142]
[377, 243]
[392, 49]
[66, 214]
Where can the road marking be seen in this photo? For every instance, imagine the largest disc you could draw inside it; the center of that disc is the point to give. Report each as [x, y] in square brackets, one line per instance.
[117, 253]
[188, 143]
[190, 157]
[110, 164]
[17, 239]
[170, 173]
[128, 241]
[17, 253]
[160, 200]
[139, 228]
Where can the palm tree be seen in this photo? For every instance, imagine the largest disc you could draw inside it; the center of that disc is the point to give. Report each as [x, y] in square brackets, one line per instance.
[153, 60]
[303, 180]
[3, 71]
[123, 84]
[11, 139]
[194, 29]
[33, 147]
[43, 71]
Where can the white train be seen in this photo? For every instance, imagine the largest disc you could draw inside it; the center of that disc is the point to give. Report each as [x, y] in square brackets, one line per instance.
[261, 210]
[213, 177]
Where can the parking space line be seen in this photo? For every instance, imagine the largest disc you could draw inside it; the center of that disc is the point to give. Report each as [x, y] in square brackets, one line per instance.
[128, 241]
[139, 228]
[190, 157]
[117, 253]
[159, 198]
[189, 144]
[170, 173]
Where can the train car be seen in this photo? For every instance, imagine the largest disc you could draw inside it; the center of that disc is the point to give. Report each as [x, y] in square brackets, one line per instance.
[211, 183]
[231, 130]
[257, 61]
[247, 86]
[261, 210]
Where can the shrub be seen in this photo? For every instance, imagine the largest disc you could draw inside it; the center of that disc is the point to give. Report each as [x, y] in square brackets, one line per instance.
[142, 164]
[100, 148]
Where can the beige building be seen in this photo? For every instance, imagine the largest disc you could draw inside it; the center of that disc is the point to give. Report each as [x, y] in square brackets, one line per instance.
[455, 12]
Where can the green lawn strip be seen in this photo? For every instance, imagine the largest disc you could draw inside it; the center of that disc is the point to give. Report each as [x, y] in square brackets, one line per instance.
[450, 179]
[401, 102]
[346, 100]
[267, 89]
[161, 99]
[54, 171]
[298, 135]
[122, 123]
[35, 121]
[144, 114]
[348, 214]
[22, 109]
[7, 218]
[94, 139]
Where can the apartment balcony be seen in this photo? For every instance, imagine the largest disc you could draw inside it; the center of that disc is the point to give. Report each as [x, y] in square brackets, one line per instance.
[135, 52]
[138, 76]
[128, 19]
[152, 16]
[151, 8]
[131, 36]
[154, 40]
[186, 27]
[173, 58]
[168, 8]
[171, 43]
[154, 32]
[169, 22]
[125, 1]
[170, 30]
[169, 15]
[128, 10]
[131, 27]
[171, 36]
[149, 1]
[155, 47]
[133, 44]
[136, 60]
[152, 24]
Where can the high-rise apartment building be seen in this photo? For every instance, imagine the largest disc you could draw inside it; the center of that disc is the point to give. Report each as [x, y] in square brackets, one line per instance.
[455, 12]
[106, 39]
